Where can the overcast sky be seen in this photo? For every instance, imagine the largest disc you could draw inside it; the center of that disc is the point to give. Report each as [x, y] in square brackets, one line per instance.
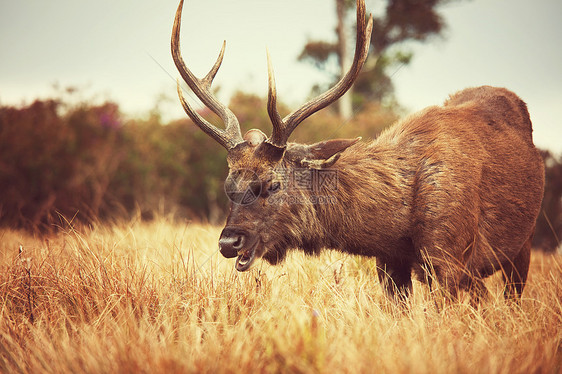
[119, 50]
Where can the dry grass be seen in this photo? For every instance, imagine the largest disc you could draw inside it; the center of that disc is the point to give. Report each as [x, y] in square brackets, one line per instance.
[157, 297]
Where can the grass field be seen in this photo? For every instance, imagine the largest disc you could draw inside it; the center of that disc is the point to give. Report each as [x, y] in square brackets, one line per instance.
[158, 297]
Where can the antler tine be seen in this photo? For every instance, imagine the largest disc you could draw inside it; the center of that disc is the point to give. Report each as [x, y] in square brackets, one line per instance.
[212, 131]
[362, 44]
[229, 137]
[276, 121]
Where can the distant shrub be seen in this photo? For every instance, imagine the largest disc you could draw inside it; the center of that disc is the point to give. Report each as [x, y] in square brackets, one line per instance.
[53, 163]
[549, 224]
[87, 163]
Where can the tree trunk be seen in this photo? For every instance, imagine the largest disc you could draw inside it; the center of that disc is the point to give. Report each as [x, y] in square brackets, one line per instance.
[344, 103]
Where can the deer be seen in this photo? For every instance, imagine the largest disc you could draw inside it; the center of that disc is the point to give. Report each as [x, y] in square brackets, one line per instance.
[449, 194]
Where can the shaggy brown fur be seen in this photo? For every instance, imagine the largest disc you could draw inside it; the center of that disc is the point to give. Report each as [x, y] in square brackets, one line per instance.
[452, 190]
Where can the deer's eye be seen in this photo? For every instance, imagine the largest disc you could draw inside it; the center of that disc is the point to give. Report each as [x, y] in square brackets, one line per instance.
[274, 187]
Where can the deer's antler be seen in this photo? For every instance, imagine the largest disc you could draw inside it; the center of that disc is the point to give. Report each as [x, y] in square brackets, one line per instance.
[282, 128]
[231, 135]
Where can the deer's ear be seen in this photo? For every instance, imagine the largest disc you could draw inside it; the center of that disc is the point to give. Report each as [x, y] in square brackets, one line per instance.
[329, 148]
[319, 155]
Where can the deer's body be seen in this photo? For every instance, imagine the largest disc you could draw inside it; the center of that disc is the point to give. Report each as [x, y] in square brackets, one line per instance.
[456, 188]
[451, 192]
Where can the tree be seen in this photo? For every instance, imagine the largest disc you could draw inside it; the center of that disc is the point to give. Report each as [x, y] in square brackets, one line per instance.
[548, 232]
[403, 21]
[344, 103]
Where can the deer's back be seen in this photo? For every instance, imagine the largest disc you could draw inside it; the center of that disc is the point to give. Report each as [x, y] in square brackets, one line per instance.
[478, 177]
[496, 104]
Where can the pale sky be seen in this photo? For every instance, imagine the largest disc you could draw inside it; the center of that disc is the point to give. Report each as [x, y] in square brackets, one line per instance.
[119, 50]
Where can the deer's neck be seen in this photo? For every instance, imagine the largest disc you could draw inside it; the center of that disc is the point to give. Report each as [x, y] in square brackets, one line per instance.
[372, 199]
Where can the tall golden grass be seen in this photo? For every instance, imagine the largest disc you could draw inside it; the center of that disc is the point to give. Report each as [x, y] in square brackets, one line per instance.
[158, 297]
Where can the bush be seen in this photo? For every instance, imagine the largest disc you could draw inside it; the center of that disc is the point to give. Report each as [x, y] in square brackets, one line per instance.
[53, 164]
[86, 163]
[549, 223]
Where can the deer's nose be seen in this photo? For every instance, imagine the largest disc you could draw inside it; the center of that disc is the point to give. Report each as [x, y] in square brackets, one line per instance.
[231, 241]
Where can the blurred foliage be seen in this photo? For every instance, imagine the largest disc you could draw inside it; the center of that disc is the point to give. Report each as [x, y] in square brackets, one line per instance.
[549, 224]
[61, 162]
[52, 163]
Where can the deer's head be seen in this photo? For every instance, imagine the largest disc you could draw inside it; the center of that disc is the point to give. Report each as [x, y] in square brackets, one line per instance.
[263, 218]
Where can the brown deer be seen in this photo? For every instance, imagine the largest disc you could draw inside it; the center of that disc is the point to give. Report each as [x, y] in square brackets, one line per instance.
[450, 193]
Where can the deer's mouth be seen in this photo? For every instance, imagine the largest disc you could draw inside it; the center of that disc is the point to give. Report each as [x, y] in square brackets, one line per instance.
[246, 258]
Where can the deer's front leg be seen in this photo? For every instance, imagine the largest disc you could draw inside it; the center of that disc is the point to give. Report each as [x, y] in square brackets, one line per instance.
[395, 278]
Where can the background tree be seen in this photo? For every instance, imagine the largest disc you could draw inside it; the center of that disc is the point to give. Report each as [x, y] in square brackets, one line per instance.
[548, 232]
[403, 21]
